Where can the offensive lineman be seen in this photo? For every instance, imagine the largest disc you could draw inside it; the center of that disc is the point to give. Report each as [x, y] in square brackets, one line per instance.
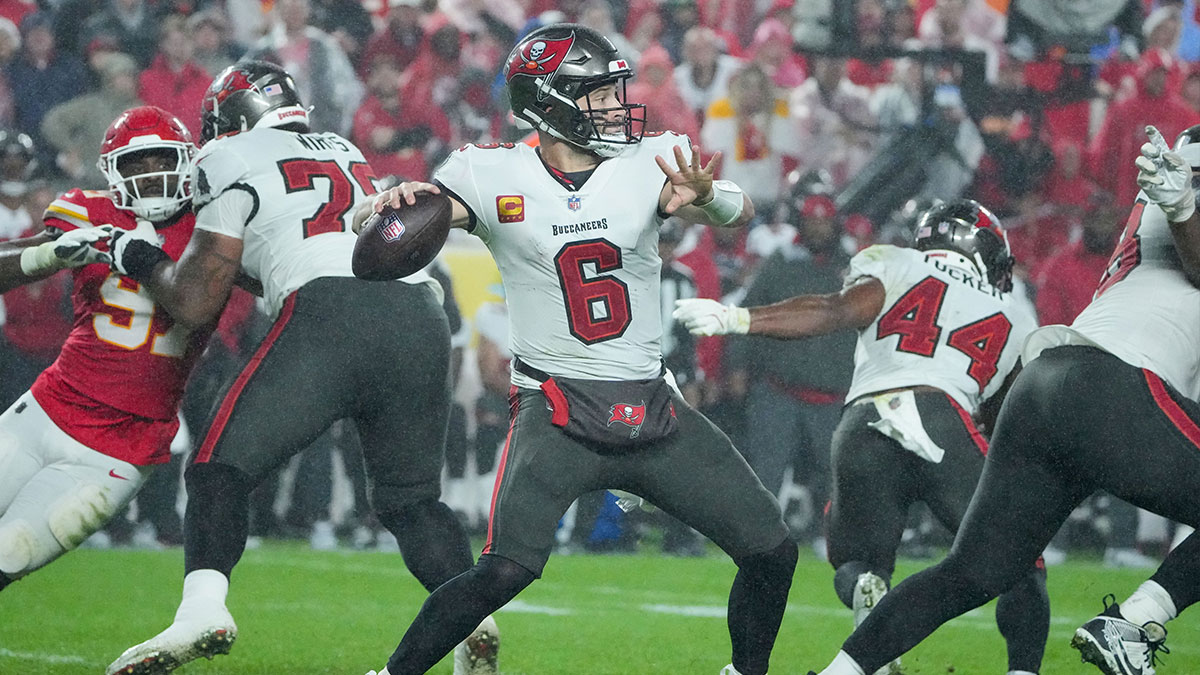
[78, 445]
[938, 337]
[1107, 403]
[573, 227]
[272, 202]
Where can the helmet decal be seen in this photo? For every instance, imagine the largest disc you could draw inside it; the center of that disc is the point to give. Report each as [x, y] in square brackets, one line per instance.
[539, 57]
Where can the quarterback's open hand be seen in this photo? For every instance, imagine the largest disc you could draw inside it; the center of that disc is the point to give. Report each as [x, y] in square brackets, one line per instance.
[1166, 178]
[691, 182]
[135, 252]
[705, 317]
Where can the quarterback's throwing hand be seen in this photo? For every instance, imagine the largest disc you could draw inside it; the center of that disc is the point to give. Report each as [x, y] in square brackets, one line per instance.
[1166, 178]
[691, 182]
[705, 317]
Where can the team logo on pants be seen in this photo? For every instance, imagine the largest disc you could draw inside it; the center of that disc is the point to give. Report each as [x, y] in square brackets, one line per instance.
[631, 416]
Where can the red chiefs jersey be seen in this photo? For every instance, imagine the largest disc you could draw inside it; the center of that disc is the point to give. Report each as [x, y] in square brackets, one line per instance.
[117, 383]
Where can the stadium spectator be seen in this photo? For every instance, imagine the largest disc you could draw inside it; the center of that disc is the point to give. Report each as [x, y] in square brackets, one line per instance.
[772, 51]
[703, 75]
[71, 128]
[655, 87]
[598, 15]
[348, 22]
[394, 131]
[1113, 148]
[399, 37]
[1065, 278]
[18, 165]
[321, 68]
[132, 24]
[752, 131]
[434, 78]
[1191, 89]
[833, 126]
[796, 388]
[211, 45]
[40, 68]
[174, 81]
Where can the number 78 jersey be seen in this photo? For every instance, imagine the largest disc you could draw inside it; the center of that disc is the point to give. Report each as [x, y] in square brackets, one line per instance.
[942, 326]
[580, 267]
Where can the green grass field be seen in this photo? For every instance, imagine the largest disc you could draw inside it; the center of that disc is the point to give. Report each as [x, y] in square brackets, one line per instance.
[301, 612]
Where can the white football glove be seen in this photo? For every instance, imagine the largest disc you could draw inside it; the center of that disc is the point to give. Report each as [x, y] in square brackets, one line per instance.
[73, 248]
[135, 252]
[1166, 178]
[705, 317]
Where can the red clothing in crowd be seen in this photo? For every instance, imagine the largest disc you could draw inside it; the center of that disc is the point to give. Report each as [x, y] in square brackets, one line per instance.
[408, 163]
[1066, 282]
[179, 93]
[655, 87]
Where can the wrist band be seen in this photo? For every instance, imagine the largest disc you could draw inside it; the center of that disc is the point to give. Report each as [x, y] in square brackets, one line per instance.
[726, 203]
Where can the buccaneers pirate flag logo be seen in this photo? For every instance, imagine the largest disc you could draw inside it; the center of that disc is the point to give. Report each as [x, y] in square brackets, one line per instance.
[631, 416]
[540, 57]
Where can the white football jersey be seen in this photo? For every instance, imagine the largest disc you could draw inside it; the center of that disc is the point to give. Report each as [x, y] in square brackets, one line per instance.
[580, 267]
[942, 326]
[290, 198]
[1145, 311]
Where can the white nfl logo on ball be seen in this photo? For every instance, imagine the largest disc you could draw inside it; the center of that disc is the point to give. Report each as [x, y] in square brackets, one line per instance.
[393, 228]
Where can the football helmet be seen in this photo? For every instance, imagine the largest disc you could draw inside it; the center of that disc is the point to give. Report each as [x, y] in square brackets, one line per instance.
[555, 65]
[965, 227]
[18, 163]
[1187, 144]
[248, 95]
[153, 195]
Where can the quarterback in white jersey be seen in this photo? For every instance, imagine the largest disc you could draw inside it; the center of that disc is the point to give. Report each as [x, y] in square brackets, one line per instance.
[573, 226]
[1090, 410]
[938, 334]
[273, 204]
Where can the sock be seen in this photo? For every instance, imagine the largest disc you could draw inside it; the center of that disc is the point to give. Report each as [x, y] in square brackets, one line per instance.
[202, 589]
[1011, 672]
[1150, 602]
[843, 665]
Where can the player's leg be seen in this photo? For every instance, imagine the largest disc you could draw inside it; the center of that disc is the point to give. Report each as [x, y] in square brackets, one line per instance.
[1022, 612]
[541, 471]
[698, 476]
[1024, 494]
[72, 490]
[401, 411]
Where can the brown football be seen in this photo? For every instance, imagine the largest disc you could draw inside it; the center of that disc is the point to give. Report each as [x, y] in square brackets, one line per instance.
[397, 242]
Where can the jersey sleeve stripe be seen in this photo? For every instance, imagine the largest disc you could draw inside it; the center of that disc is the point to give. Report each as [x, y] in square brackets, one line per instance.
[71, 213]
[471, 219]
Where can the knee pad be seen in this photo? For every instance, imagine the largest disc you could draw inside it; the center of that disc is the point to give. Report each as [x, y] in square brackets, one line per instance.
[76, 516]
[18, 546]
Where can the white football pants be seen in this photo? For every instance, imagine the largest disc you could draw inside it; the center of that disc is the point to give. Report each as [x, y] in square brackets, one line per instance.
[54, 491]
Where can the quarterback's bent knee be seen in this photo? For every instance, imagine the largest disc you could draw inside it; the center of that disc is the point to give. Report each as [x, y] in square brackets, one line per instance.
[77, 515]
[18, 544]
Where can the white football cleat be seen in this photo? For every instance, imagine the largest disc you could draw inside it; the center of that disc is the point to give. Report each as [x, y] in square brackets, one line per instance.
[729, 670]
[180, 643]
[868, 591]
[478, 654]
[1117, 646]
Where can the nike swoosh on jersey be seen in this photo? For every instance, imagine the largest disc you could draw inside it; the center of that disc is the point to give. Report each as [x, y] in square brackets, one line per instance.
[113, 473]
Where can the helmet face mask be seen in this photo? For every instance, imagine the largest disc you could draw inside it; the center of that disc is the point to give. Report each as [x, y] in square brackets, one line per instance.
[248, 95]
[553, 68]
[965, 227]
[147, 158]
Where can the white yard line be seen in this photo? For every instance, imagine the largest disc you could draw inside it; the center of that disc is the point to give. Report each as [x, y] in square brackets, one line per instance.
[44, 658]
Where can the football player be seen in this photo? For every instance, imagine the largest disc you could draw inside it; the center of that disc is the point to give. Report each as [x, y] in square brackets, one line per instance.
[273, 204]
[938, 336]
[573, 227]
[1106, 403]
[78, 445]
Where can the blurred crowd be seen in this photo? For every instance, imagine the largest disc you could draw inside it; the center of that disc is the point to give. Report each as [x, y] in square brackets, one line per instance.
[838, 149]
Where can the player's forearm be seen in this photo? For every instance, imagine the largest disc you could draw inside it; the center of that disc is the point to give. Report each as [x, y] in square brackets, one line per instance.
[12, 273]
[801, 316]
[725, 206]
[1187, 243]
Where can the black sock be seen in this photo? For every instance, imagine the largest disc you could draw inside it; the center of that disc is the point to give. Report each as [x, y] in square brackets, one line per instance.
[1179, 573]
[5, 580]
[432, 540]
[846, 578]
[756, 604]
[454, 610]
[1023, 615]
[218, 517]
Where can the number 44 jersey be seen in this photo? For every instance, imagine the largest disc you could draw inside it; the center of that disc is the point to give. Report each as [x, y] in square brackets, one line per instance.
[942, 325]
[118, 381]
[579, 263]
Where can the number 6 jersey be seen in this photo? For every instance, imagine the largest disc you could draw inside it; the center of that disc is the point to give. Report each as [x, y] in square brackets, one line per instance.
[942, 325]
[580, 266]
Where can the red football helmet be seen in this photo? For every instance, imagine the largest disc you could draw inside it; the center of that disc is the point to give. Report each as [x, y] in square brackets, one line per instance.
[137, 135]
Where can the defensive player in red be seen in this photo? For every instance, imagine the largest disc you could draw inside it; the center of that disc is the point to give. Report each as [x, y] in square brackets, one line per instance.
[78, 445]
